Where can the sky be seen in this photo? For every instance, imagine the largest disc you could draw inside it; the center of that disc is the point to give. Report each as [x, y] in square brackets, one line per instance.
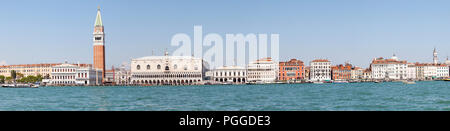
[355, 31]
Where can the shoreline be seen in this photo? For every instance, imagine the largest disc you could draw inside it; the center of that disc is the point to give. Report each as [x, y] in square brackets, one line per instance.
[231, 84]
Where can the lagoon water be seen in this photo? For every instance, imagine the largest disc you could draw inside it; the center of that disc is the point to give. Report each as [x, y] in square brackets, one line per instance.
[279, 97]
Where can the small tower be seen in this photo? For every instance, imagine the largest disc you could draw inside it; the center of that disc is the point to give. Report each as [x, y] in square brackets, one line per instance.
[435, 57]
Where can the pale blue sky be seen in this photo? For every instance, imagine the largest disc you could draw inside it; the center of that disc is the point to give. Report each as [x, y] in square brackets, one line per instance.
[37, 31]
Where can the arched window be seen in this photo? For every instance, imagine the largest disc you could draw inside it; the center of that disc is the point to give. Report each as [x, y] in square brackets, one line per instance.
[196, 68]
[138, 67]
[185, 67]
[148, 67]
[158, 67]
[175, 67]
[167, 68]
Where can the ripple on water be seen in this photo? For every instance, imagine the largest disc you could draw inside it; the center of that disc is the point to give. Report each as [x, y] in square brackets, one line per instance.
[352, 96]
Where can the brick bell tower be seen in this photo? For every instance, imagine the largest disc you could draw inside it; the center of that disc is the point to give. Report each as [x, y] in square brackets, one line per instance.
[99, 44]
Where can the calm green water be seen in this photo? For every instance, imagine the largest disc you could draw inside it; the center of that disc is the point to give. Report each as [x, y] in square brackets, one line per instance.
[352, 96]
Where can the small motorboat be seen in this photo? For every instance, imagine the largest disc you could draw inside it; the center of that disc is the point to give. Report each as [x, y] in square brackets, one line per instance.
[340, 82]
[318, 82]
[20, 86]
[409, 82]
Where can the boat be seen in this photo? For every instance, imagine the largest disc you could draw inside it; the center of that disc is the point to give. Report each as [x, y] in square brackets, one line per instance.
[340, 82]
[409, 82]
[446, 79]
[20, 86]
[318, 82]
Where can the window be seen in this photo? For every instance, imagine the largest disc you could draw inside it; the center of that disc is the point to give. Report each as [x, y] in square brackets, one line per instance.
[167, 68]
[185, 67]
[158, 67]
[175, 66]
[196, 68]
[148, 67]
[98, 38]
[138, 67]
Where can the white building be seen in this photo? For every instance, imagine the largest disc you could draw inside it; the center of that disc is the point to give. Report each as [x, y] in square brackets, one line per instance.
[231, 74]
[88, 76]
[122, 76]
[74, 74]
[411, 71]
[167, 70]
[388, 68]
[431, 71]
[63, 74]
[262, 70]
[320, 70]
[442, 71]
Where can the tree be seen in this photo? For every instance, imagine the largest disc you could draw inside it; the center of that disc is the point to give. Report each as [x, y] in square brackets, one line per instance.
[20, 75]
[2, 79]
[13, 75]
[8, 79]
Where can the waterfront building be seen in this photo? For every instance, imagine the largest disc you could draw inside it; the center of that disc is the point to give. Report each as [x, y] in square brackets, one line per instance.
[167, 70]
[230, 74]
[109, 76]
[367, 74]
[43, 69]
[88, 76]
[99, 44]
[356, 73]
[307, 72]
[75, 74]
[320, 70]
[388, 68]
[291, 70]
[262, 70]
[341, 72]
[119, 76]
[442, 71]
[411, 71]
[63, 74]
[430, 71]
[122, 76]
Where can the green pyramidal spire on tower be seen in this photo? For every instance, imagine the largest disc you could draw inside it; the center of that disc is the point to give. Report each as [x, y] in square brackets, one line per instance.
[98, 20]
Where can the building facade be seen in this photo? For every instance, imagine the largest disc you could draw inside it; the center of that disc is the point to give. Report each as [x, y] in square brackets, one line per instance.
[307, 72]
[75, 74]
[166, 70]
[291, 70]
[388, 68]
[88, 76]
[357, 73]
[230, 74]
[262, 70]
[341, 72]
[430, 71]
[367, 75]
[411, 71]
[320, 70]
[28, 69]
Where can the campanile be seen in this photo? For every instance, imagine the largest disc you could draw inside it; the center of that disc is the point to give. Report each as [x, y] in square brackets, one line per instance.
[99, 44]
